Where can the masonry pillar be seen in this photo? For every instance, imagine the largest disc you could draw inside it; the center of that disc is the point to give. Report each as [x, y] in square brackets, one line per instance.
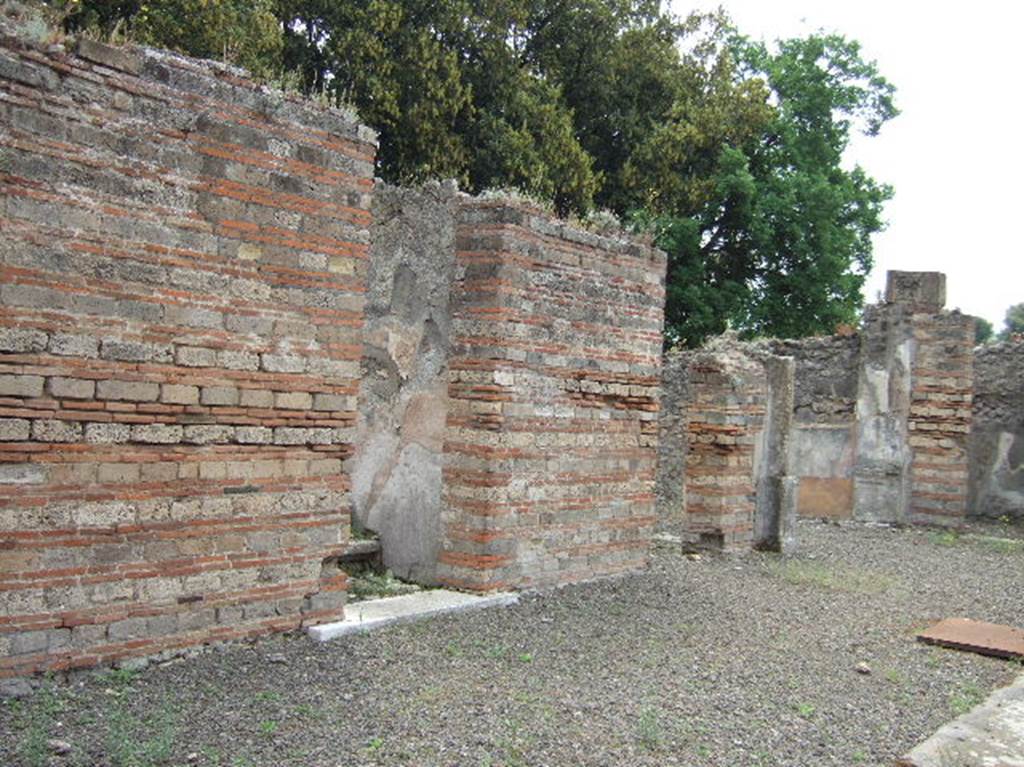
[550, 447]
[737, 422]
[914, 405]
[777, 489]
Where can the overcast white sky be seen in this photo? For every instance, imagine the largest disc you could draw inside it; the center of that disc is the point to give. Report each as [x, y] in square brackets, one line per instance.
[954, 155]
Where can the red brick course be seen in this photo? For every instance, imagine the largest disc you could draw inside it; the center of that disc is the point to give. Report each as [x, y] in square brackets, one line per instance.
[939, 421]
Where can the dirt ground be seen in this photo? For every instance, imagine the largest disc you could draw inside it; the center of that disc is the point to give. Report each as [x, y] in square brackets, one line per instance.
[750, 660]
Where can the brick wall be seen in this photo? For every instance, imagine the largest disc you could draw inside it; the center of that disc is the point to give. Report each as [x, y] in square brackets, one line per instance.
[939, 419]
[725, 441]
[553, 400]
[724, 417]
[181, 300]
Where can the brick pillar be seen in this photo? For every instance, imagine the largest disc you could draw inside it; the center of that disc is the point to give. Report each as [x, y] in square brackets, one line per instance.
[550, 447]
[725, 417]
[940, 417]
[734, 428]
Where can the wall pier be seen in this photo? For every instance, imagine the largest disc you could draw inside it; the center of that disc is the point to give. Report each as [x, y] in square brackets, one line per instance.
[728, 412]
[913, 405]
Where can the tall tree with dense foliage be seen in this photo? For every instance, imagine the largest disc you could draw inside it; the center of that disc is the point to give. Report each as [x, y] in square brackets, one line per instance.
[777, 240]
[243, 32]
[1014, 323]
[731, 150]
[983, 331]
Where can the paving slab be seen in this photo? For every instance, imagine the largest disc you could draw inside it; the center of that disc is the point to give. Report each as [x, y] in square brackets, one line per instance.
[377, 613]
[976, 636]
[990, 735]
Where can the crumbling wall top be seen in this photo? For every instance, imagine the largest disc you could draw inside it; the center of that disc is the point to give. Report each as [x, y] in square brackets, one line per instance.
[498, 208]
[23, 28]
[923, 292]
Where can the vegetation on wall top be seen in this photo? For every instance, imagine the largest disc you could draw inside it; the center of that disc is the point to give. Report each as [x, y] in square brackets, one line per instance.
[729, 150]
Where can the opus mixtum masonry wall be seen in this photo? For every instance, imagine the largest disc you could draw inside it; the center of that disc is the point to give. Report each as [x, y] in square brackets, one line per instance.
[894, 423]
[726, 427]
[550, 447]
[183, 267]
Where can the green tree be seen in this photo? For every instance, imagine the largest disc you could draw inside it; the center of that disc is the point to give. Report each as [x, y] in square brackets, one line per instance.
[983, 331]
[782, 240]
[618, 67]
[394, 62]
[730, 150]
[1014, 323]
[436, 79]
[243, 32]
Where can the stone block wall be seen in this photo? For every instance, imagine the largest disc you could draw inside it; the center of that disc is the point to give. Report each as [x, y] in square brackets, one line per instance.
[997, 432]
[553, 400]
[183, 260]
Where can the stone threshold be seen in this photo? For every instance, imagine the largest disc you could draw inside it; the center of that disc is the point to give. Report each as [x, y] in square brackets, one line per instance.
[378, 613]
[989, 735]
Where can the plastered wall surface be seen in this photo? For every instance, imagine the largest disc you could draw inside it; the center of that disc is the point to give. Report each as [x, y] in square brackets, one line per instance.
[403, 402]
[882, 453]
[997, 434]
[670, 484]
[825, 398]
[550, 449]
[183, 260]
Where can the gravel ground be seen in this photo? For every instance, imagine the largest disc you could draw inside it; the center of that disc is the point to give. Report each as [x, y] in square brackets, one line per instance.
[704, 661]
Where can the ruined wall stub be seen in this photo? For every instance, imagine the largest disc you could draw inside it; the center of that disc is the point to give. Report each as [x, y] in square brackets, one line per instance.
[997, 432]
[723, 473]
[183, 259]
[550, 450]
[913, 405]
[397, 468]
